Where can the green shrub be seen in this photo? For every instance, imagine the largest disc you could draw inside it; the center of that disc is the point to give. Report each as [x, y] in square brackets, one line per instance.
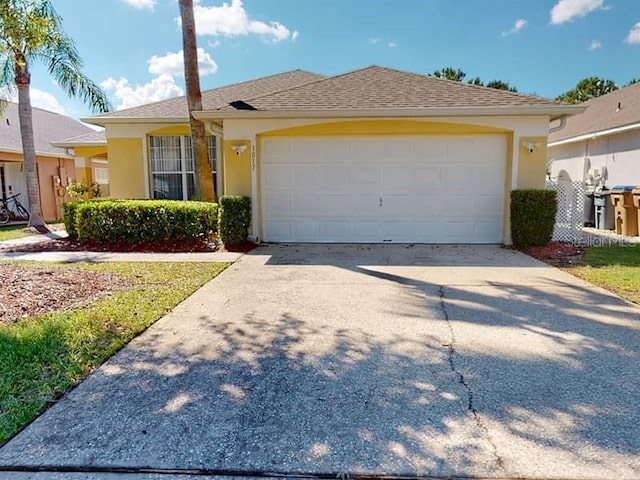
[234, 218]
[142, 221]
[533, 215]
[69, 210]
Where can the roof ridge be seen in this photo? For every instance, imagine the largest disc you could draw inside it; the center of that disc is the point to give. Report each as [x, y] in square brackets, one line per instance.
[223, 87]
[319, 80]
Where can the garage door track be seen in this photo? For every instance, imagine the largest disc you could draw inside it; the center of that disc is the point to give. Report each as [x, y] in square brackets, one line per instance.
[391, 359]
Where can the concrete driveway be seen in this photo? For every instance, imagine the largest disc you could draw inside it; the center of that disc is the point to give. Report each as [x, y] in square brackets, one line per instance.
[405, 360]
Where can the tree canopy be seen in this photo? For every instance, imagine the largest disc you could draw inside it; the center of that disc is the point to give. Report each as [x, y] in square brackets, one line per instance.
[31, 31]
[588, 88]
[458, 75]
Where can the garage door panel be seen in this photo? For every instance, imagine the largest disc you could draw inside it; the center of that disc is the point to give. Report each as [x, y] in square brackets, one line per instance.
[278, 202]
[306, 177]
[277, 177]
[398, 178]
[433, 189]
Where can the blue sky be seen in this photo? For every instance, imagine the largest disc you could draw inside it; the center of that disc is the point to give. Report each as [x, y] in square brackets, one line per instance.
[132, 47]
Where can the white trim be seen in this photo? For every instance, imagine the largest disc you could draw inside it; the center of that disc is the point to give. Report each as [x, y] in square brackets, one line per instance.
[38, 154]
[551, 110]
[101, 122]
[102, 143]
[253, 165]
[594, 135]
[515, 162]
[145, 167]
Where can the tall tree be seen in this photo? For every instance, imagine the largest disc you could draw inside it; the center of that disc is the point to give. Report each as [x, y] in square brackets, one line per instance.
[450, 73]
[204, 177]
[500, 85]
[588, 88]
[31, 30]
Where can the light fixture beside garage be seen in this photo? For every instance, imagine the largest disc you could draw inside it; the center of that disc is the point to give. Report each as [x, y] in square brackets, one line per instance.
[530, 146]
[239, 149]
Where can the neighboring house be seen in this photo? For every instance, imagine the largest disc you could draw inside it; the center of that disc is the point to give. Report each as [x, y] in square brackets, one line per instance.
[602, 144]
[90, 155]
[55, 165]
[374, 155]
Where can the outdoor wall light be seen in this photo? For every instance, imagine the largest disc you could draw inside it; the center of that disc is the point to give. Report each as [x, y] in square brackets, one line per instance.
[239, 149]
[531, 147]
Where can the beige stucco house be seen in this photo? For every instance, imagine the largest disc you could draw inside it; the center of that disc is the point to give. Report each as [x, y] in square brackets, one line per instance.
[55, 164]
[375, 155]
[602, 144]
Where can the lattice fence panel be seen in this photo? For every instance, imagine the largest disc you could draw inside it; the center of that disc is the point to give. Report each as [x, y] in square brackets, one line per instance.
[570, 216]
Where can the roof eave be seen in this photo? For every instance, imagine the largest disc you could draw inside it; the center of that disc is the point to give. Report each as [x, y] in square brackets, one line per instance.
[104, 121]
[552, 111]
[38, 153]
[594, 135]
[79, 144]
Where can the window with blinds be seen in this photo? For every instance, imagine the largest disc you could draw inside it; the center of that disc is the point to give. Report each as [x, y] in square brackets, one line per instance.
[173, 166]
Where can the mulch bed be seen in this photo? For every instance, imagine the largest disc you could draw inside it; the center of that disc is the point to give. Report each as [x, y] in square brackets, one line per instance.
[32, 290]
[558, 254]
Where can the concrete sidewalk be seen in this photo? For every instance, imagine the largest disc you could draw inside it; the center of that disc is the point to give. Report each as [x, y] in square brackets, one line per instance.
[441, 361]
[72, 257]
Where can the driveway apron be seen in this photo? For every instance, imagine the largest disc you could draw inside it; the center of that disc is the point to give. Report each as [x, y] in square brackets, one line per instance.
[389, 359]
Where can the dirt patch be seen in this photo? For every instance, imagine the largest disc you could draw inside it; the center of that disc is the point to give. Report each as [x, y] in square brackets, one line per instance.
[32, 290]
[558, 254]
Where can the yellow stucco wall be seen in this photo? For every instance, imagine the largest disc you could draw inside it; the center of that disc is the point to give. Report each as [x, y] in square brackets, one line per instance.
[237, 168]
[173, 130]
[383, 127]
[532, 165]
[89, 152]
[126, 168]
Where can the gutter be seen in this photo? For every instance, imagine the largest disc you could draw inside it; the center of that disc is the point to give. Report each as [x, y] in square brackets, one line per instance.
[103, 122]
[554, 112]
[78, 144]
[38, 154]
[594, 135]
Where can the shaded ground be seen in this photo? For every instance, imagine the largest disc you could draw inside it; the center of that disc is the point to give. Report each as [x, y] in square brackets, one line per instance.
[28, 290]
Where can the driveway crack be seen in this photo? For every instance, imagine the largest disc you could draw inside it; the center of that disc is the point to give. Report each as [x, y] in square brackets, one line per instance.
[465, 384]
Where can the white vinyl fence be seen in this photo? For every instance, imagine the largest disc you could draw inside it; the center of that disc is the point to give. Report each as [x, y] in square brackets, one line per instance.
[570, 216]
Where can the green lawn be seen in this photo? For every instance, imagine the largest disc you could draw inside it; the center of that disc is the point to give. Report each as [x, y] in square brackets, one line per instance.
[10, 232]
[616, 268]
[42, 357]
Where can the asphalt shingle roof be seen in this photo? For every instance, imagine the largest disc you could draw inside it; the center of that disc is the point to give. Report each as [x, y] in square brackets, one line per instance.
[92, 137]
[218, 97]
[616, 109]
[384, 88]
[47, 127]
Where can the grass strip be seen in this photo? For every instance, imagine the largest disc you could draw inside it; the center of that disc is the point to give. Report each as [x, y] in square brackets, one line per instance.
[44, 356]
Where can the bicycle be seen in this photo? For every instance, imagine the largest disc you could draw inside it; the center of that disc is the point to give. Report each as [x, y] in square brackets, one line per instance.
[18, 212]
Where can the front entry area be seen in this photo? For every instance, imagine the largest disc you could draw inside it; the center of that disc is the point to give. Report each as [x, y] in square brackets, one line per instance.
[384, 189]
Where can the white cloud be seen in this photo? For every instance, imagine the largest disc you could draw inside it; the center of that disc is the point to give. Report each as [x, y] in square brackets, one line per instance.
[215, 44]
[373, 41]
[566, 10]
[519, 25]
[295, 35]
[39, 99]
[231, 19]
[141, 4]
[392, 45]
[634, 35]
[173, 64]
[595, 45]
[160, 88]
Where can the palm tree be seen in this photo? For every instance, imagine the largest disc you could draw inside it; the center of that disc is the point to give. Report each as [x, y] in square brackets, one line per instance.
[31, 30]
[204, 179]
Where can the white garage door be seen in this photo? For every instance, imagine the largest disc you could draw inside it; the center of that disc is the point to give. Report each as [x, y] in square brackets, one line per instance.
[422, 189]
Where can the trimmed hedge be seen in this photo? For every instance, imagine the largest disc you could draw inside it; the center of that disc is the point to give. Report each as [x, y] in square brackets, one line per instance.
[533, 215]
[234, 218]
[69, 210]
[139, 221]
